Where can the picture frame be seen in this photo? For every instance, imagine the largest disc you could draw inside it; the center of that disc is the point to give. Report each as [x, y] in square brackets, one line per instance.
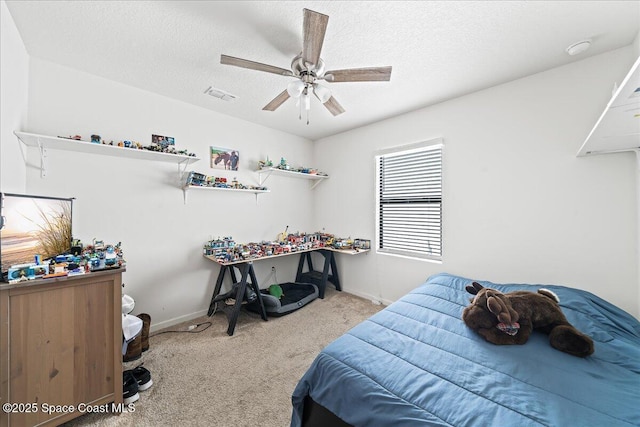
[224, 158]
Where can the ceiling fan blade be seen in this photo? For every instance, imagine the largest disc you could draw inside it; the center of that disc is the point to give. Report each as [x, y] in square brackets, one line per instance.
[313, 27]
[252, 65]
[371, 74]
[277, 101]
[333, 106]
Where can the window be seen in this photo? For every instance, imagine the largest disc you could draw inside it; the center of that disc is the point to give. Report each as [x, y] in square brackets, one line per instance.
[410, 201]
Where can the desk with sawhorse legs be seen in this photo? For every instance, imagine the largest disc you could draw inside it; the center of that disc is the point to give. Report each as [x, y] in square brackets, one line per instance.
[248, 280]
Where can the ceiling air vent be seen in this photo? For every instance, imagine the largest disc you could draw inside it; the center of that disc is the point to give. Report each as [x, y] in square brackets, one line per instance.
[219, 93]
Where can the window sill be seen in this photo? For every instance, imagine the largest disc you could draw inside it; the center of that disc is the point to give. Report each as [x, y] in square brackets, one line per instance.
[411, 257]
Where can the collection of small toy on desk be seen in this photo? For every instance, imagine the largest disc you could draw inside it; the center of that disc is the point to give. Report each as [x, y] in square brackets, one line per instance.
[201, 180]
[283, 165]
[227, 250]
[79, 260]
[161, 144]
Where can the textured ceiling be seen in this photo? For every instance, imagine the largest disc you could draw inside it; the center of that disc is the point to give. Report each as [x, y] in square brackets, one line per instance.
[438, 50]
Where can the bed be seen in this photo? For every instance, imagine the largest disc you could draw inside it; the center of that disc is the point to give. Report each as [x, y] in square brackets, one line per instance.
[416, 363]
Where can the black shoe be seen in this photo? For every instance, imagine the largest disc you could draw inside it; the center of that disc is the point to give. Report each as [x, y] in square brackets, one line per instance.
[142, 377]
[129, 388]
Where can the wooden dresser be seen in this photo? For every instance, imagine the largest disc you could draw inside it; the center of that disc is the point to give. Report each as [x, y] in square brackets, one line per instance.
[60, 348]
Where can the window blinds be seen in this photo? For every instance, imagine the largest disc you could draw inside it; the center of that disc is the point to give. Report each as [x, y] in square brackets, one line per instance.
[410, 202]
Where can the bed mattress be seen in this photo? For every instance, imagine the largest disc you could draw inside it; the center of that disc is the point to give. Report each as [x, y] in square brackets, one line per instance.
[416, 363]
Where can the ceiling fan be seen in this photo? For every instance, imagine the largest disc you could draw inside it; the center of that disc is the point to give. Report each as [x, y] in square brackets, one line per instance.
[308, 69]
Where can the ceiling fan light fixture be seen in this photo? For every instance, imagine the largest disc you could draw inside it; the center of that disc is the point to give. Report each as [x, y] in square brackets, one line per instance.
[295, 88]
[321, 92]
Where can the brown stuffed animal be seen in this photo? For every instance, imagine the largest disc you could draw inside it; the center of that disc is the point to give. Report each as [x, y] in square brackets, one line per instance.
[510, 318]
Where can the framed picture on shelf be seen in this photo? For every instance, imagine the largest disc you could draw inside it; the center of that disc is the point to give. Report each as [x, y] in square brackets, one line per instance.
[224, 158]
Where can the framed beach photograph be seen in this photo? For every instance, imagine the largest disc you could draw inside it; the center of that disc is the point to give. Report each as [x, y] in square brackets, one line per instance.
[33, 227]
[224, 158]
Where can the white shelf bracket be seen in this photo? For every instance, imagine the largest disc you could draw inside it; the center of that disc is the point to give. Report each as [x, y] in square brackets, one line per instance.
[43, 162]
[182, 170]
[262, 181]
[315, 184]
[23, 148]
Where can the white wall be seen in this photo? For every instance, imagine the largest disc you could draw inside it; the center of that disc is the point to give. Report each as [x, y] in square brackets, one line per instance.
[14, 67]
[518, 205]
[140, 202]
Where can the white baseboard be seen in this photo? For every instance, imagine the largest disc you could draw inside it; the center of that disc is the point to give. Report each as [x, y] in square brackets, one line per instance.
[176, 320]
[372, 298]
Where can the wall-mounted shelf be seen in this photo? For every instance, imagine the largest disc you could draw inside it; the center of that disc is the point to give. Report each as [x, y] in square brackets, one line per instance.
[43, 142]
[618, 128]
[186, 188]
[292, 174]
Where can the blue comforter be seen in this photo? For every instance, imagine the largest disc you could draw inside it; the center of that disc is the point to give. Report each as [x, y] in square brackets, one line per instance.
[416, 363]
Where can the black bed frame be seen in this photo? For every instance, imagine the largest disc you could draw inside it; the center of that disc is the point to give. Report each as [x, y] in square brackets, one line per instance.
[316, 415]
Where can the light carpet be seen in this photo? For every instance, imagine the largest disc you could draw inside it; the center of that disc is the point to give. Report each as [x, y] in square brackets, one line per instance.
[212, 379]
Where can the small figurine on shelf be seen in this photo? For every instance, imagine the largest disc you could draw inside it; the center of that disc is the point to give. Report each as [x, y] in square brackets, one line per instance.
[268, 163]
[98, 245]
[283, 164]
[96, 139]
[195, 178]
[110, 257]
[220, 182]
[283, 236]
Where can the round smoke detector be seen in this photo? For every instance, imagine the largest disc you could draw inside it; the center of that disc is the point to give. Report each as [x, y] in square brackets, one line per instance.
[578, 47]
